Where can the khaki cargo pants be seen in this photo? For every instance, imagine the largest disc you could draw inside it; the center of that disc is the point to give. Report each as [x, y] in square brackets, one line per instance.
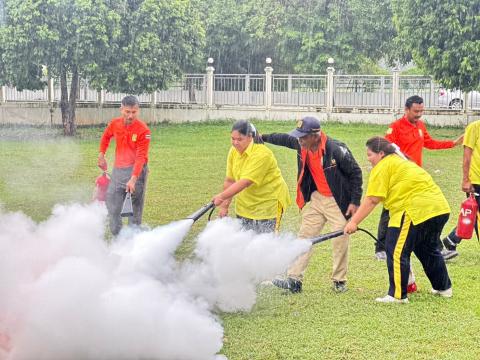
[321, 210]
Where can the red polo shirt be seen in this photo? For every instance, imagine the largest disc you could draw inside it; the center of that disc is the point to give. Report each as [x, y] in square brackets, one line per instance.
[314, 161]
[132, 143]
[412, 138]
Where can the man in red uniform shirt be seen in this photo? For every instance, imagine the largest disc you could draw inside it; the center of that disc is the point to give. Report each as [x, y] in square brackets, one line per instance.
[411, 136]
[129, 174]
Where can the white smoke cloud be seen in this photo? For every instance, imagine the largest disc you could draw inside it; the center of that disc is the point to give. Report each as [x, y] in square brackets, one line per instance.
[230, 263]
[67, 294]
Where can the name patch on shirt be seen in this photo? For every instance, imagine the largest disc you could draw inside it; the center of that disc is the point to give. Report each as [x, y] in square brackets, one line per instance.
[420, 132]
[134, 137]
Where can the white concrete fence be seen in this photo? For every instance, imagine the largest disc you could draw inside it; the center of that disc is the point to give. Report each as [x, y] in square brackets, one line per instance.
[267, 95]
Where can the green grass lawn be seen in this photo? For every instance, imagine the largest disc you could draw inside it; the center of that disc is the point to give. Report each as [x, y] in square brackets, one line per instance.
[187, 167]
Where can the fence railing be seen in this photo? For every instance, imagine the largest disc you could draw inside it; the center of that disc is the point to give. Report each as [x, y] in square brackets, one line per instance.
[330, 91]
[363, 91]
[299, 90]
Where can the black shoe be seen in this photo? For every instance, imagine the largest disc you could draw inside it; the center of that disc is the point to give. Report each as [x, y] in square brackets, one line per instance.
[340, 286]
[294, 285]
[449, 244]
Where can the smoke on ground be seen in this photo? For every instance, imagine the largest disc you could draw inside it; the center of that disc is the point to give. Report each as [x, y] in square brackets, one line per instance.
[67, 294]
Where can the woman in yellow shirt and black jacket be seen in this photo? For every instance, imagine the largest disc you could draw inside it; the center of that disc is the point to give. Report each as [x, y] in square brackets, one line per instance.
[418, 212]
[253, 177]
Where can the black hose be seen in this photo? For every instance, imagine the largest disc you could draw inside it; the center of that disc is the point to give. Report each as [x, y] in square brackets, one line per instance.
[200, 212]
[210, 214]
[337, 233]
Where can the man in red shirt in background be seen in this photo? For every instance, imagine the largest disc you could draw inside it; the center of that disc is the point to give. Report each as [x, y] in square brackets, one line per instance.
[411, 136]
[129, 174]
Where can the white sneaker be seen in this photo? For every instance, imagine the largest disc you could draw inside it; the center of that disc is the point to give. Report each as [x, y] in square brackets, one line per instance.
[445, 293]
[391, 299]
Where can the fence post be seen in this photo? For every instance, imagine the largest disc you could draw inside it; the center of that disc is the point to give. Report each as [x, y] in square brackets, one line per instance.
[330, 86]
[210, 83]
[268, 83]
[153, 99]
[101, 97]
[3, 94]
[395, 91]
[50, 91]
[465, 102]
[432, 92]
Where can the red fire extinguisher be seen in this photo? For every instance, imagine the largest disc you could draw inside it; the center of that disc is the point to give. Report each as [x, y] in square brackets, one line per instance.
[101, 187]
[466, 219]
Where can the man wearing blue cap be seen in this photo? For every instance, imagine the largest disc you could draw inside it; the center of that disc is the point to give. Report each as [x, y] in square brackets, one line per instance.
[330, 180]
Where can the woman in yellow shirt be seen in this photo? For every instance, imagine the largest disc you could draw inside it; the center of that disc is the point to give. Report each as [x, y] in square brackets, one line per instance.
[418, 211]
[253, 177]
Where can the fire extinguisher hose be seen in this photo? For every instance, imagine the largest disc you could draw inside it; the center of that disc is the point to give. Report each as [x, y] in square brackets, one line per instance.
[337, 233]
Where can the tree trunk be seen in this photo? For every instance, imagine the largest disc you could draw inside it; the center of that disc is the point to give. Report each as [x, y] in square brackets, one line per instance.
[68, 103]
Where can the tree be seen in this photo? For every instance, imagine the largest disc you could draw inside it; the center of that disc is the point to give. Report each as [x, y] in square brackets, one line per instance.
[353, 32]
[130, 46]
[443, 38]
[299, 35]
[159, 40]
[65, 36]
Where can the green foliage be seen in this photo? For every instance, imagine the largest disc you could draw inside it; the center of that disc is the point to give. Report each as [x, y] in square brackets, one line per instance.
[299, 35]
[443, 37]
[125, 46]
[413, 71]
[241, 34]
[58, 34]
[348, 31]
[158, 41]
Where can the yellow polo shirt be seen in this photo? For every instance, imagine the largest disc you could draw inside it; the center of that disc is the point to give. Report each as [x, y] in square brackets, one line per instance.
[471, 140]
[406, 187]
[260, 200]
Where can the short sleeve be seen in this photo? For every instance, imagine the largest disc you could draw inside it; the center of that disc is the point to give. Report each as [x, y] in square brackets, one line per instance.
[471, 135]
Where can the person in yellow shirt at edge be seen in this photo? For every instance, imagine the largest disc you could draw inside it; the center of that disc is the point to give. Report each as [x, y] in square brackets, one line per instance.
[418, 212]
[253, 177]
[470, 179]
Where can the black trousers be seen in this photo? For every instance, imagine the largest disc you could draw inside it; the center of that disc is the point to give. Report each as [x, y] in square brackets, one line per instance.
[382, 230]
[421, 239]
[116, 195]
[452, 239]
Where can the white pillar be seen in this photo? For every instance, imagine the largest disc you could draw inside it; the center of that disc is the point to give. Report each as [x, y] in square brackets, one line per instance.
[466, 98]
[268, 87]
[396, 91]
[432, 92]
[153, 99]
[330, 89]
[210, 83]
[3, 94]
[101, 97]
[50, 91]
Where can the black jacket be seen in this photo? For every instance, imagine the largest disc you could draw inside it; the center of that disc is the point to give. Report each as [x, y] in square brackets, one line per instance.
[344, 176]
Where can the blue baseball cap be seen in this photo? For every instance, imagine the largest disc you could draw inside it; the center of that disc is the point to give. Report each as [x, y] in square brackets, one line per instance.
[308, 125]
